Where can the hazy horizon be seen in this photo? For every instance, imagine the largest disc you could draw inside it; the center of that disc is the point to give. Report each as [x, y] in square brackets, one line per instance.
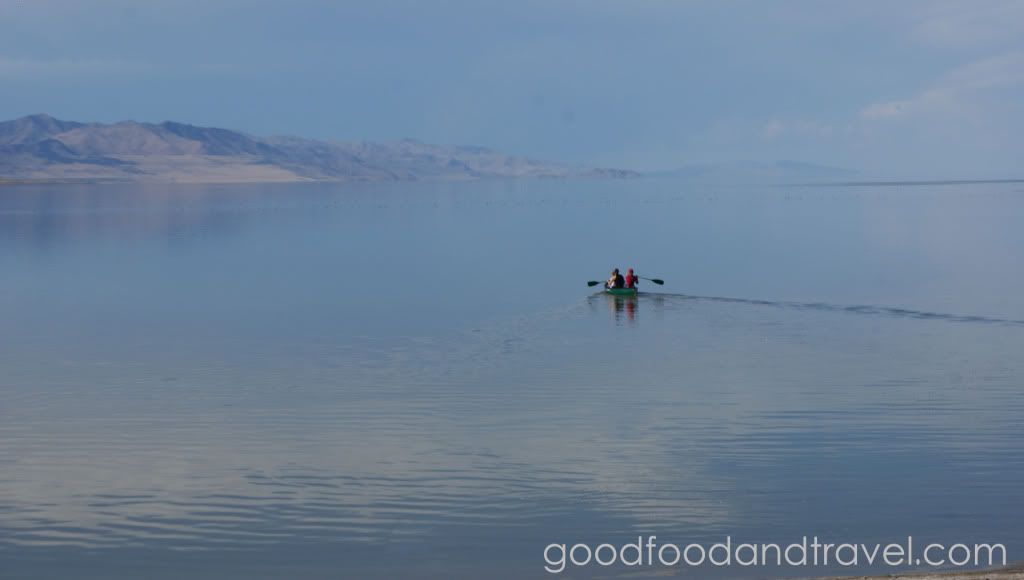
[922, 89]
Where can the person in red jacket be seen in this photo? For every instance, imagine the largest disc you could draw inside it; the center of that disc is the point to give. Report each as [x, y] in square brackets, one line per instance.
[632, 281]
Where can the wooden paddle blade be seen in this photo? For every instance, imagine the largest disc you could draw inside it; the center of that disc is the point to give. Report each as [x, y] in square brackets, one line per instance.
[593, 283]
[657, 281]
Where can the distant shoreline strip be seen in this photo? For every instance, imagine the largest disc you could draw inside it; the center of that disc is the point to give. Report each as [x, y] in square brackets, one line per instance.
[909, 182]
[1011, 572]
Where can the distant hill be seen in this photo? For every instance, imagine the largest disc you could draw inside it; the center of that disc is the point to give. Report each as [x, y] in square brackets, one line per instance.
[757, 172]
[40, 147]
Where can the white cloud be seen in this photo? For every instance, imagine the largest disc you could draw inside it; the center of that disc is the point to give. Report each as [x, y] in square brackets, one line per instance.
[958, 24]
[959, 91]
[884, 110]
[1004, 70]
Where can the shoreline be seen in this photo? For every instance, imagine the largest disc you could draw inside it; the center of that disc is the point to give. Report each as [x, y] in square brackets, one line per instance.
[116, 181]
[1008, 572]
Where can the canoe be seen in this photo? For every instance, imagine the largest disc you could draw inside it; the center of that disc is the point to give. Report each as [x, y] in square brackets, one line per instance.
[621, 291]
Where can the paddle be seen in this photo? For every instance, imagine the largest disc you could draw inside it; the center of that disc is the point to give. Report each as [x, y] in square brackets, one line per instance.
[657, 281]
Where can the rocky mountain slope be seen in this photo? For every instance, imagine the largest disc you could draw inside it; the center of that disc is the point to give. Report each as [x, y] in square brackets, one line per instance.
[40, 147]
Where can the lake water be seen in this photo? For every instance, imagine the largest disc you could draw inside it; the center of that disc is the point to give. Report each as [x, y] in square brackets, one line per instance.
[414, 381]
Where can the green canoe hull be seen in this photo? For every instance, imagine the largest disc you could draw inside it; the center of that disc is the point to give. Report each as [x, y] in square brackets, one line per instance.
[621, 291]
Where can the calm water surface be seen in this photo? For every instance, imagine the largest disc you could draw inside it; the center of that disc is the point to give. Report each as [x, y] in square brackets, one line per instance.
[415, 382]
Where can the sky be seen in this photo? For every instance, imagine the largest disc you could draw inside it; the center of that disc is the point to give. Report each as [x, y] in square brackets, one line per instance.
[929, 88]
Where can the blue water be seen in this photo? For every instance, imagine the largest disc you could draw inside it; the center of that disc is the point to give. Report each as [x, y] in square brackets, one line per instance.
[414, 381]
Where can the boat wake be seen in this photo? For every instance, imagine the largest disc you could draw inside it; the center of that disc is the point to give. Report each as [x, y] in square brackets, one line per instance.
[855, 309]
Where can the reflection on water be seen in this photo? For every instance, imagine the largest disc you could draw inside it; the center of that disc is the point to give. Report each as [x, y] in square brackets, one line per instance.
[623, 308]
[371, 384]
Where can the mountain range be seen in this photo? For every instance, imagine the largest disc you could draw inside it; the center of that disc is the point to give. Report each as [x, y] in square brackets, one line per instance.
[40, 147]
